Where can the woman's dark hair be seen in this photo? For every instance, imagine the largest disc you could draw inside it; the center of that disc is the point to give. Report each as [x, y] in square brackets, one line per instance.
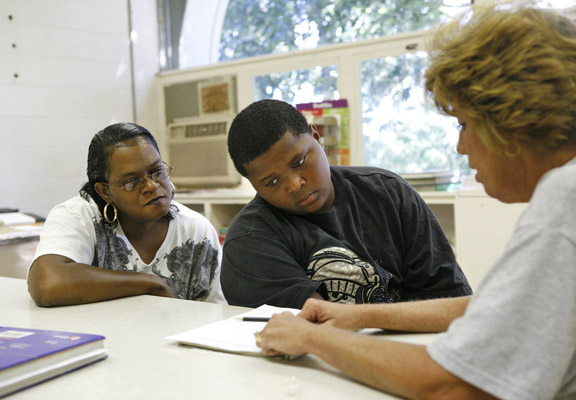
[101, 148]
[256, 128]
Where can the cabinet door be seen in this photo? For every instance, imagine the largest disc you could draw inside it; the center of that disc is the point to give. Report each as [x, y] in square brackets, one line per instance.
[483, 226]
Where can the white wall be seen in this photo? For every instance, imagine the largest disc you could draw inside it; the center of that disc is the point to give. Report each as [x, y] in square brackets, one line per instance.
[146, 66]
[65, 73]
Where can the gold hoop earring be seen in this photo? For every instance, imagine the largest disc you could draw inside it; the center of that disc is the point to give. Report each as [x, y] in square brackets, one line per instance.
[106, 213]
[515, 152]
[173, 188]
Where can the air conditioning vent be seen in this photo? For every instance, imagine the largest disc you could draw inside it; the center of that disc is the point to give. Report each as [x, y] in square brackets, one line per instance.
[198, 151]
[207, 129]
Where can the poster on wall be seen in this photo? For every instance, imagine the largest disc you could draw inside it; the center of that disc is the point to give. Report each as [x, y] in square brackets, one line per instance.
[331, 119]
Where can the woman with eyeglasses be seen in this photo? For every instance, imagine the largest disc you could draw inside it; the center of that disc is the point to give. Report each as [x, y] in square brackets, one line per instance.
[124, 235]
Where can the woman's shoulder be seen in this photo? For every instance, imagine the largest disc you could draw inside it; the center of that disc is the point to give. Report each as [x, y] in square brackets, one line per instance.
[557, 188]
[77, 205]
[73, 215]
[558, 180]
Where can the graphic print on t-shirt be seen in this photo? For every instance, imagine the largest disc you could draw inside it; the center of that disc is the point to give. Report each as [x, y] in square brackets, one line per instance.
[188, 269]
[348, 278]
[192, 268]
[111, 251]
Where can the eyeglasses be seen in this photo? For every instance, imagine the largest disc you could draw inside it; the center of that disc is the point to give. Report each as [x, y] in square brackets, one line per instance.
[138, 183]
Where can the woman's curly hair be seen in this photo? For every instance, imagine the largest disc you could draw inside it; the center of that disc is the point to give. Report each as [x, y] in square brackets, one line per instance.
[512, 69]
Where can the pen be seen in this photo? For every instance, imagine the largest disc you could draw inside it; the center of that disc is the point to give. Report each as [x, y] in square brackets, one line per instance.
[254, 319]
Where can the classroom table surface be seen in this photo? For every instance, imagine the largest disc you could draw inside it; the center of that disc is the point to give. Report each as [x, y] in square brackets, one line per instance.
[142, 364]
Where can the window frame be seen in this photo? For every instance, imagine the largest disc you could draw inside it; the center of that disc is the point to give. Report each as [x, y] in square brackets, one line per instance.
[346, 57]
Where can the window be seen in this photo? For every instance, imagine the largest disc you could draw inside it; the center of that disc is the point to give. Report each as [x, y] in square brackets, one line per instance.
[557, 3]
[199, 32]
[394, 127]
[301, 86]
[282, 26]
[401, 131]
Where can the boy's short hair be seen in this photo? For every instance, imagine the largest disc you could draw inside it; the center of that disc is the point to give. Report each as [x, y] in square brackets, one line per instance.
[256, 128]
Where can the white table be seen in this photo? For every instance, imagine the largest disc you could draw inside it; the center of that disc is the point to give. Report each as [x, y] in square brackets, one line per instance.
[143, 365]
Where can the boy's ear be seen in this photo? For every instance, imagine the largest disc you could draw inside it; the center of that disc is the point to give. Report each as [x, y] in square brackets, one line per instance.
[103, 191]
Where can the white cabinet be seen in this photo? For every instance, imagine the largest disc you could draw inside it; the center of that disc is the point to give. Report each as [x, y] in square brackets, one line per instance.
[442, 205]
[477, 226]
[483, 226]
[218, 205]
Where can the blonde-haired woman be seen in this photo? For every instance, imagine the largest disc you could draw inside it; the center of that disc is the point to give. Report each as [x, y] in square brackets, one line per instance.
[509, 75]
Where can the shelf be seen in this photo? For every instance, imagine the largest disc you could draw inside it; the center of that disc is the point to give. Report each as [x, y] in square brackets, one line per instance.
[440, 197]
[218, 205]
[221, 196]
[476, 225]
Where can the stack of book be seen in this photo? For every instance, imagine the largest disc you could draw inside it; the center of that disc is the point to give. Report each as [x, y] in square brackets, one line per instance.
[434, 181]
[31, 356]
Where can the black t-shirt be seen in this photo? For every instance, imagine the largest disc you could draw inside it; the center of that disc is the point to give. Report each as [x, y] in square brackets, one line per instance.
[379, 243]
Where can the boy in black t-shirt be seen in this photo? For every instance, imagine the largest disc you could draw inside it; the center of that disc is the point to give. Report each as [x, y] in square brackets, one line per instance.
[344, 234]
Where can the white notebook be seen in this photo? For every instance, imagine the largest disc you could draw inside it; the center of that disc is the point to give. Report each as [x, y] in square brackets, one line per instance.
[16, 218]
[231, 335]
